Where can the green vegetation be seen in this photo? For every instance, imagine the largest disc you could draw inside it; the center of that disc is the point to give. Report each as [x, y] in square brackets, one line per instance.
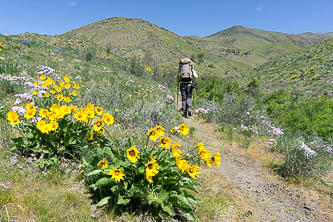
[133, 79]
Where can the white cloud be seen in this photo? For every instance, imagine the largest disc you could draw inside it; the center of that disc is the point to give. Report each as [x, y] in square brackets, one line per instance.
[72, 3]
[260, 8]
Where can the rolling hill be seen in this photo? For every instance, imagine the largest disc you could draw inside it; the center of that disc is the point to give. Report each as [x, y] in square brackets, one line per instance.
[155, 45]
[309, 70]
[253, 46]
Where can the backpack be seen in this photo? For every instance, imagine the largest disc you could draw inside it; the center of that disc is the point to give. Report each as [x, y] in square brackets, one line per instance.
[185, 69]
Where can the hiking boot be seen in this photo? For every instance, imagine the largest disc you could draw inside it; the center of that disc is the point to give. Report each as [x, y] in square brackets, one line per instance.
[189, 113]
[184, 115]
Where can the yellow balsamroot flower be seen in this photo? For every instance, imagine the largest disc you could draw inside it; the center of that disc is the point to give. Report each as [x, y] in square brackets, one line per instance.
[46, 95]
[183, 129]
[217, 158]
[90, 113]
[61, 83]
[34, 92]
[29, 114]
[43, 126]
[66, 109]
[108, 118]
[36, 83]
[67, 99]
[176, 153]
[204, 153]
[49, 81]
[76, 86]
[117, 174]
[81, 116]
[182, 164]
[74, 93]
[209, 162]
[103, 164]
[42, 77]
[200, 145]
[132, 154]
[60, 97]
[193, 170]
[149, 178]
[165, 142]
[30, 111]
[149, 69]
[2, 46]
[160, 130]
[73, 108]
[152, 167]
[44, 113]
[101, 131]
[67, 85]
[99, 110]
[153, 135]
[53, 125]
[13, 118]
[173, 130]
[90, 136]
[99, 123]
[90, 106]
[57, 88]
[67, 79]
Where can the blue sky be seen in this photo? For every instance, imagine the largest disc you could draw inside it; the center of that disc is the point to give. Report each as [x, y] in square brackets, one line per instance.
[196, 17]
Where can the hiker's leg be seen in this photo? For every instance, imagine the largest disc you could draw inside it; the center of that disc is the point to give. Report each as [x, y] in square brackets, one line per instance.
[189, 98]
[184, 96]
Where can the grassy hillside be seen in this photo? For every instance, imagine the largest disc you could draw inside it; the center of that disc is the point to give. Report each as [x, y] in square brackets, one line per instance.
[154, 45]
[309, 70]
[252, 46]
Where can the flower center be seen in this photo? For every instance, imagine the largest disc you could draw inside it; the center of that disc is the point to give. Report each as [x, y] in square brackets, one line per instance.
[131, 153]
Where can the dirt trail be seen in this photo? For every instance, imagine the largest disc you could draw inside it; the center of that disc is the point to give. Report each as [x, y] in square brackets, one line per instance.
[252, 185]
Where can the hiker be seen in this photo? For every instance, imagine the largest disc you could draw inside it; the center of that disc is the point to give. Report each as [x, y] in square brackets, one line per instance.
[187, 82]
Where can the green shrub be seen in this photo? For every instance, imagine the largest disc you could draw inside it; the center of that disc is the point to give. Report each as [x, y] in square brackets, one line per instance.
[89, 53]
[300, 160]
[8, 67]
[301, 115]
[139, 177]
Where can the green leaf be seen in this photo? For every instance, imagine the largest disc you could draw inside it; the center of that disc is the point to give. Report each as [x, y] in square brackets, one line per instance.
[163, 195]
[169, 209]
[103, 202]
[95, 172]
[72, 141]
[103, 182]
[114, 188]
[122, 200]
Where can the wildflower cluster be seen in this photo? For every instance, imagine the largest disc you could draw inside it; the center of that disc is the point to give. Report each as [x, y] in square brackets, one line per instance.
[51, 124]
[155, 175]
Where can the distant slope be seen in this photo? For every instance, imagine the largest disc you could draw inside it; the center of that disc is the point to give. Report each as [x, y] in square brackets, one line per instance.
[309, 70]
[249, 38]
[253, 46]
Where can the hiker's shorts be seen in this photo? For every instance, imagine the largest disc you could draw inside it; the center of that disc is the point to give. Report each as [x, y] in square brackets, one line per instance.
[186, 92]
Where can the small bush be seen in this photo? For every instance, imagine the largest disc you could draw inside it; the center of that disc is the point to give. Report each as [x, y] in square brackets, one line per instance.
[299, 160]
[88, 54]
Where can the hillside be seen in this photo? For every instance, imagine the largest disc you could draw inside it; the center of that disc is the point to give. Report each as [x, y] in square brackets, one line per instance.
[155, 45]
[309, 70]
[253, 46]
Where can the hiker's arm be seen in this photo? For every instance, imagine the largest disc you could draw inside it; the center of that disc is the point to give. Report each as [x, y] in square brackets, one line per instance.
[195, 74]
